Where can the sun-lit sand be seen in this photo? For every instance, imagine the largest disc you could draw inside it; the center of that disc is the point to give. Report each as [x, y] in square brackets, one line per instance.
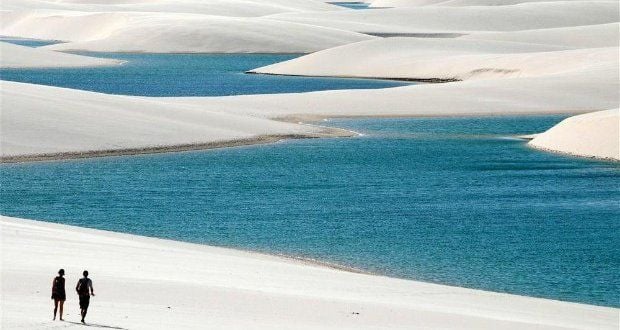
[146, 283]
[42, 120]
[172, 32]
[14, 56]
[456, 3]
[444, 59]
[464, 19]
[595, 134]
[506, 57]
[233, 8]
[588, 36]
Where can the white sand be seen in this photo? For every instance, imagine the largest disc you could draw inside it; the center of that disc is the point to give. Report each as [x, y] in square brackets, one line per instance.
[48, 120]
[233, 8]
[460, 59]
[563, 51]
[145, 283]
[435, 19]
[14, 56]
[43, 120]
[171, 32]
[571, 92]
[417, 3]
[595, 134]
[588, 36]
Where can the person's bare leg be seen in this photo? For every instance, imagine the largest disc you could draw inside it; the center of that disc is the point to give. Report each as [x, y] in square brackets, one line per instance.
[83, 314]
[62, 303]
[55, 308]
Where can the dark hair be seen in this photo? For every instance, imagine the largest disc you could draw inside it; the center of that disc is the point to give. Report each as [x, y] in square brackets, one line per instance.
[85, 273]
[61, 272]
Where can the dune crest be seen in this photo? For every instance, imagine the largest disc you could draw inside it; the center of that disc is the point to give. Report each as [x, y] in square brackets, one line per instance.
[172, 33]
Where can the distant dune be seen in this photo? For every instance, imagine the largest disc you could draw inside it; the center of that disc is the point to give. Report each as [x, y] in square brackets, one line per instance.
[443, 59]
[232, 8]
[456, 3]
[468, 19]
[587, 36]
[173, 33]
[502, 58]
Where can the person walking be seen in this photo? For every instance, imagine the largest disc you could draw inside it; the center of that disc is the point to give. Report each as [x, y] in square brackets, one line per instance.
[84, 289]
[58, 292]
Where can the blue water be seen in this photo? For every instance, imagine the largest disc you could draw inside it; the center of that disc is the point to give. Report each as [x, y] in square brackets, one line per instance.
[185, 75]
[352, 4]
[28, 42]
[454, 201]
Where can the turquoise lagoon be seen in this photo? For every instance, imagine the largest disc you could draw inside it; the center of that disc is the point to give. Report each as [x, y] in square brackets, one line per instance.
[457, 201]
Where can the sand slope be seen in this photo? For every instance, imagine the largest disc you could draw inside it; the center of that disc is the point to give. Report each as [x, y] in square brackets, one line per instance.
[572, 92]
[172, 32]
[595, 134]
[588, 36]
[48, 120]
[417, 3]
[42, 120]
[446, 59]
[234, 8]
[172, 285]
[14, 56]
[436, 19]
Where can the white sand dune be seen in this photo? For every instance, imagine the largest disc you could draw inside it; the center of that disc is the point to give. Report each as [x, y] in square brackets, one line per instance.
[435, 19]
[564, 53]
[14, 56]
[589, 36]
[43, 120]
[571, 92]
[172, 33]
[147, 283]
[48, 120]
[417, 3]
[445, 59]
[234, 8]
[595, 134]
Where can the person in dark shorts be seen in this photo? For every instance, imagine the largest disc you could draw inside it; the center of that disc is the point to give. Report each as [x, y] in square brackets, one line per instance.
[58, 292]
[84, 290]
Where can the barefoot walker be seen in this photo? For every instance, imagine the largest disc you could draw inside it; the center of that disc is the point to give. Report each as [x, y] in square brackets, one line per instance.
[84, 289]
[58, 292]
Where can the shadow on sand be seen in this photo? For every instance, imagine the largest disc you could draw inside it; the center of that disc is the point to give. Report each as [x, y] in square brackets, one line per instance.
[97, 325]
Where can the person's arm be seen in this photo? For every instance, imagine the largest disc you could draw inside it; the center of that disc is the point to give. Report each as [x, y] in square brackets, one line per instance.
[77, 286]
[92, 291]
[53, 284]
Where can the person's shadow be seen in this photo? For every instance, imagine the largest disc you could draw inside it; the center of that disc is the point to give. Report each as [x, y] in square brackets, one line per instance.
[97, 325]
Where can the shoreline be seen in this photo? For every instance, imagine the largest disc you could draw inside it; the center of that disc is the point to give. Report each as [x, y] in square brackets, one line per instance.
[292, 259]
[328, 132]
[282, 256]
[265, 139]
[411, 80]
[575, 155]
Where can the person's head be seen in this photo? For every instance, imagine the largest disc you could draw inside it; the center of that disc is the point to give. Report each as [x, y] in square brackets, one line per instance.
[61, 272]
[85, 273]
